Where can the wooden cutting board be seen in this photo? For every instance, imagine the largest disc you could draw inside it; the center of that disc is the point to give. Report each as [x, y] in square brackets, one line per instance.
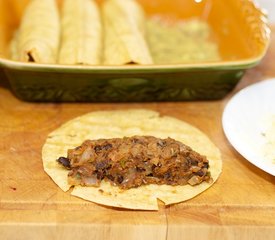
[241, 205]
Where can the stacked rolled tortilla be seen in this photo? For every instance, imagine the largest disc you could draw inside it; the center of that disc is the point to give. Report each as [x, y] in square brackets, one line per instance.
[81, 38]
[124, 29]
[83, 35]
[37, 39]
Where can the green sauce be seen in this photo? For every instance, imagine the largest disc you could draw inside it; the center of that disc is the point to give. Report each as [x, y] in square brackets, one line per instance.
[180, 42]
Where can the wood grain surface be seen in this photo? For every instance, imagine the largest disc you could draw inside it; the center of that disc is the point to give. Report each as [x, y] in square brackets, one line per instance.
[241, 205]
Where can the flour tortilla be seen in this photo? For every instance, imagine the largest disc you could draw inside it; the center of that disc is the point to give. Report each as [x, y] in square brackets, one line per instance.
[111, 124]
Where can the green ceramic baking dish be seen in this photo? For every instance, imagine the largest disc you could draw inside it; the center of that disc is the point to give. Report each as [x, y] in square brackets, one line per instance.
[241, 33]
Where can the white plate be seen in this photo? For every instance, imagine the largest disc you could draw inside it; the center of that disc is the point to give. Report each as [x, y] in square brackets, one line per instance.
[246, 118]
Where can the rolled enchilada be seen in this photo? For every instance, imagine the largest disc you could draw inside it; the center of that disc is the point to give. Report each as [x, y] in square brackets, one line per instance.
[124, 30]
[37, 39]
[81, 38]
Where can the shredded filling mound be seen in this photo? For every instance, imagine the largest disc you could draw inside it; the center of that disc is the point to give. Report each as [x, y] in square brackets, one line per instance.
[130, 162]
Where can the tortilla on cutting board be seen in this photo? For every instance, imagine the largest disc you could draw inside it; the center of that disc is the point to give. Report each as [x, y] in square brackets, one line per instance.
[117, 124]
